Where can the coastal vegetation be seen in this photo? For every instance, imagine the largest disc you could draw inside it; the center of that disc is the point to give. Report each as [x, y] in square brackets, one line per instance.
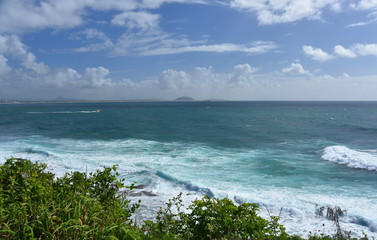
[34, 204]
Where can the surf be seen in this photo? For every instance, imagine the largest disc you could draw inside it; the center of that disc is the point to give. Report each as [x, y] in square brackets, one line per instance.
[358, 159]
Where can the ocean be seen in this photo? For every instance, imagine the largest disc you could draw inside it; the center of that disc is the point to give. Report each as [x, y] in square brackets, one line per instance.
[291, 158]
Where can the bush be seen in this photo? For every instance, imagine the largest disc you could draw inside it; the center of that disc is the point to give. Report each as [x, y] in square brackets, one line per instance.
[33, 204]
[213, 218]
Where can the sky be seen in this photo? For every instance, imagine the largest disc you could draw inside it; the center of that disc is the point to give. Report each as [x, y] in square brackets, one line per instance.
[204, 49]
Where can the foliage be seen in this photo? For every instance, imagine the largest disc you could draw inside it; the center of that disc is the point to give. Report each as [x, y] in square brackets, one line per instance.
[212, 218]
[33, 204]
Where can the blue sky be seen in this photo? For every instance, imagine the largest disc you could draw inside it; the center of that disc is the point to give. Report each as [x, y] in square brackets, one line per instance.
[164, 49]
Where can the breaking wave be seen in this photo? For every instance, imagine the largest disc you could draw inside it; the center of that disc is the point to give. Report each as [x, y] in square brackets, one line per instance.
[34, 151]
[351, 158]
[186, 185]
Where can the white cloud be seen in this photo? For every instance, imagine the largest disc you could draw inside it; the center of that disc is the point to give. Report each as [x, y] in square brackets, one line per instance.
[120, 5]
[241, 83]
[62, 78]
[96, 83]
[12, 46]
[207, 78]
[354, 51]
[242, 69]
[259, 48]
[242, 76]
[327, 77]
[18, 16]
[316, 53]
[284, 11]
[336, 7]
[143, 21]
[367, 5]
[171, 79]
[343, 52]
[4, 68]
[91, 78]
[199, 78]
[345, 75]
[366, 49]
[3, 43]
[139, 42]
[153, 43]
[296, 68]
[94, 35]
[158, 3]
[97, 77]
[29, 61]
[142, 37]
[359, 24]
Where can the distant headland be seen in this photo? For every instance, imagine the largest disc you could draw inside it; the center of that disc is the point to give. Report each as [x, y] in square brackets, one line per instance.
[184, 99]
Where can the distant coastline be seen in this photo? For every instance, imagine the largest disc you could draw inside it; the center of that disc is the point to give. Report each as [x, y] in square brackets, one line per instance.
[181, 99]
[172, 100]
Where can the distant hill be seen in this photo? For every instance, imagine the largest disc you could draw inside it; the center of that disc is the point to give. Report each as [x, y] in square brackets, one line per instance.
[184, 99]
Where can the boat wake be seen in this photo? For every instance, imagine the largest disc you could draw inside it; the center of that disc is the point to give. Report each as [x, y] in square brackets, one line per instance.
[66, 112]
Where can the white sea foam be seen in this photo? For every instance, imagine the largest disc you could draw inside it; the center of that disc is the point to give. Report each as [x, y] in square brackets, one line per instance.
[167, 169]
[351, 158]
[297, 208]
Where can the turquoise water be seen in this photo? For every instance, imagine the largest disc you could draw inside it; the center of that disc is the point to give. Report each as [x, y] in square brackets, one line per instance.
[289, 157]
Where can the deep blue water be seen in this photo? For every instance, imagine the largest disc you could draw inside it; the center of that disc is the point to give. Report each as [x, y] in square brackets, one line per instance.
[290, 155]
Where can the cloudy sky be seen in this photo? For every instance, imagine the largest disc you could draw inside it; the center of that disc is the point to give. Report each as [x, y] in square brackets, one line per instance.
[205, 49]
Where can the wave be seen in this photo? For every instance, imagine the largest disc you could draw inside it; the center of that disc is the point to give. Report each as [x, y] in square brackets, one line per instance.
[360, 128]
[351, 158]
[166, 169]
[33, 151]
[364, 222]
[187, 185]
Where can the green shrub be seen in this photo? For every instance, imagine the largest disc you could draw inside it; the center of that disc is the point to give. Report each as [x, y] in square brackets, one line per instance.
[213, 218]
[33, 204]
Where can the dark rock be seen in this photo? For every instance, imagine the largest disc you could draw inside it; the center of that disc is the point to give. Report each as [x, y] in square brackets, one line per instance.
[138, 194]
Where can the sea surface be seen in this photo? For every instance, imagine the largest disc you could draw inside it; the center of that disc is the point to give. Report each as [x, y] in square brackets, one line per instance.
[289, 157]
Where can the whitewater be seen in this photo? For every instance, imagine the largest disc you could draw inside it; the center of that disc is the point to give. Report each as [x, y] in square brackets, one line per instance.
[289, 157]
